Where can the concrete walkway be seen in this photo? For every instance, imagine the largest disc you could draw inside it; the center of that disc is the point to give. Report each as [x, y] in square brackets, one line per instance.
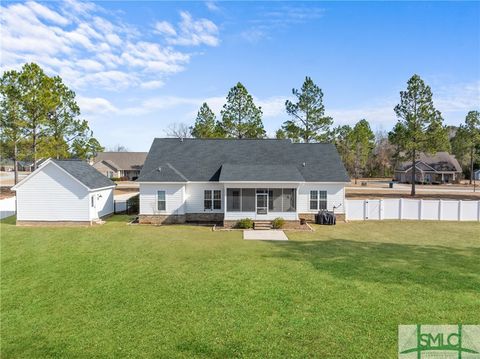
[264, 235]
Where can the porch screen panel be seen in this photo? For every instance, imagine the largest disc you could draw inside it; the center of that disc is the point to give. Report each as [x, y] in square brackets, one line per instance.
[233, 199]
[289, 202]
[275, 200]
[248, 199]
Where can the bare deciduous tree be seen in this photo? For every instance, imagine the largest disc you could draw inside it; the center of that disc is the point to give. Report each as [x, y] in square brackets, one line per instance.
[178, 130]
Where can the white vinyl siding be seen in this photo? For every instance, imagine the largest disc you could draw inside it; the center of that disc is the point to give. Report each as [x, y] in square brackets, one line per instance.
[52, 195]
[190, 198]
[174, 198]
[195, 197]
[334, 192]
[103, 200]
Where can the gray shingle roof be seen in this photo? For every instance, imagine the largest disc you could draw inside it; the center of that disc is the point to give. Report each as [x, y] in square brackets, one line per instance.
[440, 161]
[262, 173]
[85, 173]
[122, 160]
[205, 160]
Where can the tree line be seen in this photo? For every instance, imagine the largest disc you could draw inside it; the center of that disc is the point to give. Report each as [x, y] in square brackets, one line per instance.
[40, 118]
[419, 128]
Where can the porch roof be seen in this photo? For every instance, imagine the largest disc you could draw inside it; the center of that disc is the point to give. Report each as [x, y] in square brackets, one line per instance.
[259, 173]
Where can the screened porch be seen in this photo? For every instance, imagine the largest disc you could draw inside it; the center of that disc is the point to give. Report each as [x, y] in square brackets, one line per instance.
[261, 203]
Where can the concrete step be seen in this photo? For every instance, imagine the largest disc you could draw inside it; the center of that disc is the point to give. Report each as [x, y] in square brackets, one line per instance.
[259, 225]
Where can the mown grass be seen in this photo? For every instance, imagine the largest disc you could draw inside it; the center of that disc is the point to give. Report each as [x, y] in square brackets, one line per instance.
[180, 291]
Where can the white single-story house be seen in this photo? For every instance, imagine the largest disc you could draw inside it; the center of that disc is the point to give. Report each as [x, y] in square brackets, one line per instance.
[224, 180]
[63, 191]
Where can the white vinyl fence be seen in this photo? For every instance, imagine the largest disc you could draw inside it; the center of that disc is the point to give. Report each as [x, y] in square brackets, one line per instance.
[120, 205]
[417, 209]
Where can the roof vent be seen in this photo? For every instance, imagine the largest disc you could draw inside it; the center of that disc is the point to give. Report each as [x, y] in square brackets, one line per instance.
[304, 164]
[181, 139]
[159, 169]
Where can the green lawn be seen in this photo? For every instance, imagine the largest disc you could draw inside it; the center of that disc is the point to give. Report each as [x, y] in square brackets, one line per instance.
[180, 291]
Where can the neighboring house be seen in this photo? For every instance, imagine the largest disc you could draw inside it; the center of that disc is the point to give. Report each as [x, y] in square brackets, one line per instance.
[441, 167]
[125, 165]
[6, 165]
[224, 180]
[27, 166]
[63, 191]
[476, 175]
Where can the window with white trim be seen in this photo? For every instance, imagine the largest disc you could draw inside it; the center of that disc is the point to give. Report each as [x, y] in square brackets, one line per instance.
[318, 200]
[212, 199]
[313, 200]
[161, 201]
[217, 199]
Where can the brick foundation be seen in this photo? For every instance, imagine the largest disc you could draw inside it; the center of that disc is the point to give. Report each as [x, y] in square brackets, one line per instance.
[310, 217]
[161, 219]
[205, 217]
[286, 225]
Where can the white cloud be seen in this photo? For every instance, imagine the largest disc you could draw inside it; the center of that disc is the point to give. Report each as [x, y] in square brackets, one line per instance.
[75, 40]
[191, 32]
[150, 85]
[47, 14]
[254, 35]
[96, 105]
[90, 65]
[453, 101]
[457, 97]
[212, 6]
[272, 106]
[282, 18]
[165, 28]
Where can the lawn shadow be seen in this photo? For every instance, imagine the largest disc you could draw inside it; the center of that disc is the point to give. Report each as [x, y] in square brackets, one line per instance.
[12, 220]
[438, 267]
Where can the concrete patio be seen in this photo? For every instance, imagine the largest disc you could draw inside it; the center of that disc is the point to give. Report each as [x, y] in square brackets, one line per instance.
[264, 235]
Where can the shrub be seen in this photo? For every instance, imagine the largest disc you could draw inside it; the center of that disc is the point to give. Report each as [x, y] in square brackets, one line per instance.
[115, 179]
[245, 223]
[278, 223]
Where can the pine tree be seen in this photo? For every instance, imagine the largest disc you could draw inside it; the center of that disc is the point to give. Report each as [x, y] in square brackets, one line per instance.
[205, 124]
[308, 123]
[241, 118]
[419, 127]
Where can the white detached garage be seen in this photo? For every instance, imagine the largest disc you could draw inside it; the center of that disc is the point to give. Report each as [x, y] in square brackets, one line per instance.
[64, 191]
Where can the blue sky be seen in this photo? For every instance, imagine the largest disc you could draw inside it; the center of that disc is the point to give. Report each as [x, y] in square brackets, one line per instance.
[138, 67]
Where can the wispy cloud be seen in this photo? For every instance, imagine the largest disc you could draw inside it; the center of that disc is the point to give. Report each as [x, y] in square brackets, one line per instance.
[452, 100]
[96, 105]
[190, 31]
[282, 18]
[212, 6]
[78, 41]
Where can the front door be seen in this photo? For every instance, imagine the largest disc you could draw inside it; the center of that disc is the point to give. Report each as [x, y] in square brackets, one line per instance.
[262, 201]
